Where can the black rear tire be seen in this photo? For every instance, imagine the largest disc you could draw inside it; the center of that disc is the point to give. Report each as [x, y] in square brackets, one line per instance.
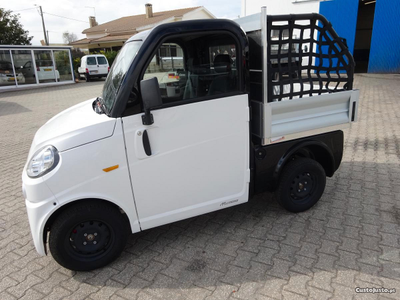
[301, 185]
[88, 235]
[87, 77]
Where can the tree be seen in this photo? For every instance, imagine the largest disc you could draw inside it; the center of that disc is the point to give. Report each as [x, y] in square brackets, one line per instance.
[69, 37]
[11, 30]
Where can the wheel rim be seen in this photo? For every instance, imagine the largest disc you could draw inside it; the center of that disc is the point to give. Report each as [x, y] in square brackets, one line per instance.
[90, 239]
[302, 186]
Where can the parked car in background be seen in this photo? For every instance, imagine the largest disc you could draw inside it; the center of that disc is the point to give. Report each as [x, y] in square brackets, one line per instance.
[44, 69]
[94, 65]
[7, 74]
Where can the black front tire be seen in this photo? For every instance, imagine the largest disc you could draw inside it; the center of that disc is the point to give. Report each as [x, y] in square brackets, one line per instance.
[88, 235]
[301, 185]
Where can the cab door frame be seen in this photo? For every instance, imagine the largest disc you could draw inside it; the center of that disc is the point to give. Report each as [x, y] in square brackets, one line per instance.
[225, 132]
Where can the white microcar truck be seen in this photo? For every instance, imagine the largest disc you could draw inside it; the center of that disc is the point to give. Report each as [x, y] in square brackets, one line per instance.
[243, 119]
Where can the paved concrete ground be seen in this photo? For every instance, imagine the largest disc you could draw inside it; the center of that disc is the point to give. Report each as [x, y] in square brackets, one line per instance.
[254, 251]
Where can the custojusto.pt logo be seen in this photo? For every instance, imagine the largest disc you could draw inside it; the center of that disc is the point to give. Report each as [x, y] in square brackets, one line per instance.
[374, 290]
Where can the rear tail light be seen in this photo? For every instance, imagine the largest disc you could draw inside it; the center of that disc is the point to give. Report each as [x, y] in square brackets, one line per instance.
[37, 69]
[173, 76]
[87, 70]
[108, 69]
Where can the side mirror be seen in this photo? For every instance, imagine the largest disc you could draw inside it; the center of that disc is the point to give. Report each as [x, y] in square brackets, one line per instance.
[151, 97]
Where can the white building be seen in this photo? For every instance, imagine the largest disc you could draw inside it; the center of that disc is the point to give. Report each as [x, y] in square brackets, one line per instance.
[280, 7]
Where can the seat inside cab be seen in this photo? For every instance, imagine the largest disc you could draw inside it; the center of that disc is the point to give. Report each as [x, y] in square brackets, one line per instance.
[195, 66]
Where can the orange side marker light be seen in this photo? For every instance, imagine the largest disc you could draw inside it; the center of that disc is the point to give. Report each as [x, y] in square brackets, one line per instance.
[111, 168]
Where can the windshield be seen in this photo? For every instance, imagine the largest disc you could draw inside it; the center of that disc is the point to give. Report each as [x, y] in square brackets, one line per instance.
[118, 72]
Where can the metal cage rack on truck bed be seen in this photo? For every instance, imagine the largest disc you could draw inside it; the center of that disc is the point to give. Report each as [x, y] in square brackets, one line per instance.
[299, 58]
[318, 64]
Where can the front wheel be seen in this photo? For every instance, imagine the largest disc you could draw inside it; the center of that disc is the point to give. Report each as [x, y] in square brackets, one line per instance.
[301, 185]
[88, 235]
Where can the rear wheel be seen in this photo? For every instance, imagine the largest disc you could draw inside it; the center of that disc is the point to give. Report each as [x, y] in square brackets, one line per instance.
[88, 236]
[301, 185]
[87, 77]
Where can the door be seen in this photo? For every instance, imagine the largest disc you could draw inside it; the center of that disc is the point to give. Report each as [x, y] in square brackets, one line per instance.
[91, 65]
[102, 64]
[199, 139]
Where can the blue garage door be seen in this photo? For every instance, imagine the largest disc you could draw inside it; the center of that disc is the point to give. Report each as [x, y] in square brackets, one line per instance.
[385, 44]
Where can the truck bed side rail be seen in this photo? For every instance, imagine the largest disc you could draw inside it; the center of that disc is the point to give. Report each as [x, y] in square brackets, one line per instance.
[306, 57]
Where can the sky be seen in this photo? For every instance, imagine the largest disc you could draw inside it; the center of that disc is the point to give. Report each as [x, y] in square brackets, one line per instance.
[106, 10]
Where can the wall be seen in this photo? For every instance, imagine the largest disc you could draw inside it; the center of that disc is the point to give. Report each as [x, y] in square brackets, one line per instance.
[341, 13]
[95, 35]
[279, 7]
[385, 45]
[343, 16]
[95, 47]
[197, 14]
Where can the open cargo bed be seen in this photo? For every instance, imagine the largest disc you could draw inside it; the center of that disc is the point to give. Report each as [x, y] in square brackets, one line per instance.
[301, 76]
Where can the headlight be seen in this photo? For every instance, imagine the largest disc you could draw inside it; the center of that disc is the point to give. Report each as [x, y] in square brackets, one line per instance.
[42, 162]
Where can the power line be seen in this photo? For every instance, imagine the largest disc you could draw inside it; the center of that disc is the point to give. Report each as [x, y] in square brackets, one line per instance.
[65, 17]
[47, 31]
[23, 9]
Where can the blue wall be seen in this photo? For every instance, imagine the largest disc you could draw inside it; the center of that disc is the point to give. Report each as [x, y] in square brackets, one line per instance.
[343, 16]
[384, 56]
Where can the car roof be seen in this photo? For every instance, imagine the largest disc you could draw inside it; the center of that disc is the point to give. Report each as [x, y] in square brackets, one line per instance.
[89, 55]
[181, 27]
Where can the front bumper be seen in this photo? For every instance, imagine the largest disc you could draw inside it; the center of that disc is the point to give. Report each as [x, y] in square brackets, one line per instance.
[40, 203]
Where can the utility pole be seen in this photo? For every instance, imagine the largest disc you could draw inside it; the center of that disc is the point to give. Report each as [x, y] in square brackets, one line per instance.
[44, 28]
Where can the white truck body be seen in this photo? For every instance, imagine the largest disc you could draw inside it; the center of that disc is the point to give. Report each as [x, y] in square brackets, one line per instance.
[175, 160]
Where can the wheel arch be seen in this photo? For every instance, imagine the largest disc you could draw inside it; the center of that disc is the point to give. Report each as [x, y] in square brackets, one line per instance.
[316, 150]
[53, 216]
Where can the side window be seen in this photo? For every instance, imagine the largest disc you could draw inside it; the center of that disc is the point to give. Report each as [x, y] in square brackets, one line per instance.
[223, 63]
[101, 60]
[201, 66]
[169, 68]
[91, 60]
[224, 50]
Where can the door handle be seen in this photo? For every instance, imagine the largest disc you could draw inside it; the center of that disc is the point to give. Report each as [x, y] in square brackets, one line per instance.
[146, 143]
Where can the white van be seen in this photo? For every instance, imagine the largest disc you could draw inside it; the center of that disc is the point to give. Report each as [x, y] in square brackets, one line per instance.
[94, 65]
